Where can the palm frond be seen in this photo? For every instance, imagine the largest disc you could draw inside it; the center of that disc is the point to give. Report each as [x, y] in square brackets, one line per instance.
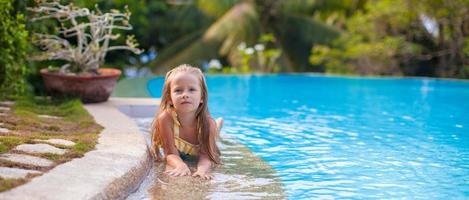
[297, 7]
[297, 35]
[178, 45]
[235, 26]
[215, 8]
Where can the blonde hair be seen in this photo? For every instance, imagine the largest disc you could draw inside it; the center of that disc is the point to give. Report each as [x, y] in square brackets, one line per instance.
[206, 141]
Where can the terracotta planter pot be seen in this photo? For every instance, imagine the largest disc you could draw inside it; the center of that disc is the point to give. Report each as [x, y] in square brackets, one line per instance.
[90, 88]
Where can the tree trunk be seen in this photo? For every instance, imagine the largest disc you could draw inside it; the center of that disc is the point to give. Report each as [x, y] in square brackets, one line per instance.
[442, 59]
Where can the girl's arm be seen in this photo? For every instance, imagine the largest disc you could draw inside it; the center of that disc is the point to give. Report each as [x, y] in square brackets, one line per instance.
[175, 165]
[204, 164]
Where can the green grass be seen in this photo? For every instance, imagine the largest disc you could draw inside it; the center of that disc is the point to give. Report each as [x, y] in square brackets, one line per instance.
[6, 184]
[51, 156]
[86, 124]
[81, 147]
[3, 148]
[68, 108]
[9, 142]
[75, 124]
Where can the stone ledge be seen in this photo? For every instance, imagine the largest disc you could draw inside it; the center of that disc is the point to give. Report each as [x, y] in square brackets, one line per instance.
[7, 172]
[26, 159]
[114, 169]
[57, 142]
[40, 148]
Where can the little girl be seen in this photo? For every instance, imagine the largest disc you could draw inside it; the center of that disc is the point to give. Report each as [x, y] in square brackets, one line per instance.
[183, 125]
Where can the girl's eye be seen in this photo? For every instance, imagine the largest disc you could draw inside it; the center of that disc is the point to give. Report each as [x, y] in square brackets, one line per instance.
[192, 89]
[177, 90]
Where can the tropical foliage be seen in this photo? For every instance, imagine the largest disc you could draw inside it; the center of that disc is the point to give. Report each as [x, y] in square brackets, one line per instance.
[410, 37]
[261, 56]
[234, 22]
[14, 45]
[402, 37]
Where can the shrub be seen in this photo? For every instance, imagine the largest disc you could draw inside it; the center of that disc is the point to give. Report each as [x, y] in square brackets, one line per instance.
[13, 41]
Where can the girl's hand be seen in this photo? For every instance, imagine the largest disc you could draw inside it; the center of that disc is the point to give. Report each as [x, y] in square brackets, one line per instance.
[181, 170]
[202, 174]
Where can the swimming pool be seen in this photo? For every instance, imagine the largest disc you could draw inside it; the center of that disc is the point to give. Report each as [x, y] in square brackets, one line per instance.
[342, 137]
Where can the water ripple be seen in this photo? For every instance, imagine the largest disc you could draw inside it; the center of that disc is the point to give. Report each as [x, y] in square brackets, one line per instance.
[350, 137]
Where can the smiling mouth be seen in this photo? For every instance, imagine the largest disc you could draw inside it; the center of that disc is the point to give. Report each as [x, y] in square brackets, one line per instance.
[185, 102]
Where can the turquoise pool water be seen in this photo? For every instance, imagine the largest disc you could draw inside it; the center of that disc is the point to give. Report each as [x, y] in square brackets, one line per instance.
[339, 137]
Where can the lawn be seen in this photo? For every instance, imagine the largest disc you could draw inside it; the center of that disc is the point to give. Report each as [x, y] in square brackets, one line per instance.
[33, 118]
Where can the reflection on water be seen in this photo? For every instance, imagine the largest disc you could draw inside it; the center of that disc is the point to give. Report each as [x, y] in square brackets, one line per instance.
[242, 176]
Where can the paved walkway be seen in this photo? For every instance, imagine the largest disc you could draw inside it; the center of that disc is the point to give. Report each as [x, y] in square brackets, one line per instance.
[114, 169]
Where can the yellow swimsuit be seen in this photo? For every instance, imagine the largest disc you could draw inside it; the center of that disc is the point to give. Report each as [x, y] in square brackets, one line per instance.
[182, 145]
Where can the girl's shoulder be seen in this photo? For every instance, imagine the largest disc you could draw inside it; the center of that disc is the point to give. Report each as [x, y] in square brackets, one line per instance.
[212, 124]
[165, 117]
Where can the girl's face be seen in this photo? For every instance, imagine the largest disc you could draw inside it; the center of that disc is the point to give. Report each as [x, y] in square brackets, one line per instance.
[186, 94]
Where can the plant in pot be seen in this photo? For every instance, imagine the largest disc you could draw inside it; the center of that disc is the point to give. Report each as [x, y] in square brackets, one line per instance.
[82, 41]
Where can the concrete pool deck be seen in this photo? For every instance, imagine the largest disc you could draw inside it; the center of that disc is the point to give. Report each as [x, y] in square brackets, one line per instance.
[113, 170]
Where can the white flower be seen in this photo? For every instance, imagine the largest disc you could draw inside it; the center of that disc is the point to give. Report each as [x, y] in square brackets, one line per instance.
[214, 63]
[249, 51]
[259, 47]
[242, 46]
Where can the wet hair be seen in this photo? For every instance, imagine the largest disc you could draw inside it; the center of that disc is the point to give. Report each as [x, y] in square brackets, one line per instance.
[207, 142]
